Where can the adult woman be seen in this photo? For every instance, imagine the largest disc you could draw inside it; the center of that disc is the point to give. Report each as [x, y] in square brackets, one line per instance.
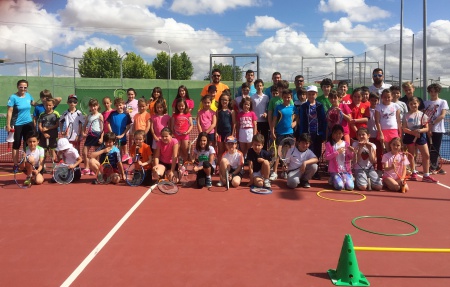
[19, 117]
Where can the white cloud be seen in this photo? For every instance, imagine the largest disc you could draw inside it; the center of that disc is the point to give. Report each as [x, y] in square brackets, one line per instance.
[357, 10]
[262, 23]
[195, 7]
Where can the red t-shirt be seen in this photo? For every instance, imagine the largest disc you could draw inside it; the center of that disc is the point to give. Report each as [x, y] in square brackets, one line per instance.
[359, 112]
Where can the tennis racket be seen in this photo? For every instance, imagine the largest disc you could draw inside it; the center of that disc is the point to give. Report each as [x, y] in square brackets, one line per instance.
[189, 177]
[227, 178]
[260, 190]
[334, 117]
[62, 174]
[95, 127]
[167, 186]
[440, 160]
[69, 132]
[105, 171]
[20, 177]
[398, 161]
[283, 148]
[135, 172]
[427, 117]
[181, 125]
[273, 153]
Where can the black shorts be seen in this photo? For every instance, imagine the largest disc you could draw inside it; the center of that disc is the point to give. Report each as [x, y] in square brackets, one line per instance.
[168, 166]
[240, 174]
[211, 137]
[282, 137]
[223, 136]
[51, 142]
[21, 132]
[409, 139]
[91, 141]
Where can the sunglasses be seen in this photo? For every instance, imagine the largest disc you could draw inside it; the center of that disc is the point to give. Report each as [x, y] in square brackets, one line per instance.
[72, 102]
[300, 81]
[377, 75]
[216, 75]
[23, 88]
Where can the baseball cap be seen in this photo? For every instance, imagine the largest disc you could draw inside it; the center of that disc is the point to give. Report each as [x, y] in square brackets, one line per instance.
[311, 89]
[72, 97]
[231, 139]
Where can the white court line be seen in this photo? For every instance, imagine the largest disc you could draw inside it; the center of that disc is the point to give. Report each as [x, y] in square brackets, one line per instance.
[105, 240]
[441, 184]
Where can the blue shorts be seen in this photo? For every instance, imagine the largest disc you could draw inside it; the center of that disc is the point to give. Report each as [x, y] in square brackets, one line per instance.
[409, 139]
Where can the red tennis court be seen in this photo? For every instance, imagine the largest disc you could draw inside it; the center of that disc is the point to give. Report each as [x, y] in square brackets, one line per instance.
[52, 234]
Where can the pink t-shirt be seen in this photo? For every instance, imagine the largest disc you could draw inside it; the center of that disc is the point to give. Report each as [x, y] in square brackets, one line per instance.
[180, 123]
[402, 161]
[246, 119]
[105, 120]
[159, 122]
[132, 107]
[189, 102]
[205, 118]
[166, 150]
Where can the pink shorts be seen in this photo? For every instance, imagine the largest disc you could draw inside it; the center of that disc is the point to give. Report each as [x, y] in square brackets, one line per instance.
[182, 137]
[389, 135]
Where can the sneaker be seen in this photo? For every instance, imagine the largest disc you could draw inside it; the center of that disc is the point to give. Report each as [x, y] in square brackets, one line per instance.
[429, 179]
[27, 180]
[413, 177]
[85, 171]
[208, 182]
[95, 182]
[273, 176]
[441, 171]
[305, 184]
[91, 173]
[267, 183]
[125, 157]
[219, 184]
[130, 160]
[15, 168]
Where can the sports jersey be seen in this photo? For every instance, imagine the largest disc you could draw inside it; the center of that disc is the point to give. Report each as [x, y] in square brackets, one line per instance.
[203, 156]
[77, 120]
[38, 153]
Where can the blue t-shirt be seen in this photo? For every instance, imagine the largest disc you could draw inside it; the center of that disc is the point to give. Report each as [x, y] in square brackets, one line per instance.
[39, 109]
[284, 117]
[119, 122]
[21, 114]
[113, 156]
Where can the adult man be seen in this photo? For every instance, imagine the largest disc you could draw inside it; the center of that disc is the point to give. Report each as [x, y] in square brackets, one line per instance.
[276, 77]
[378, 84]
[299, 81]
[215, 74]
[249, 77]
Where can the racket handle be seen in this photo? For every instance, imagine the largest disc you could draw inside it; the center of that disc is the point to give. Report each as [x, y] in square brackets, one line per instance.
[403, 188]
[415, 138]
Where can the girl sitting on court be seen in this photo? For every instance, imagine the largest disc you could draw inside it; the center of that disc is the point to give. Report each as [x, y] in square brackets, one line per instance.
[70, 157]
[395, 163]
[204, 155]
[364, 161]
[339, 154]
[166, 156]
[233, 161]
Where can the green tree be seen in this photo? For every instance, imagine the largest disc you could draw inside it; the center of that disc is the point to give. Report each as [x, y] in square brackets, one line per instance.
[99, 63]
[160, 65]
[227, 72]
[134, 67]
[182, 68]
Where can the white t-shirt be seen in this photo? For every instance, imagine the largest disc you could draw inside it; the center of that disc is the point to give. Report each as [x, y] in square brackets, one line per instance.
[77, 120]
[363, 159]
[260, 104]
[203, 156]
[38, 153]
[373, 89]
[235, 159]
[70, 155]
[388, 116]
[414, 120]
[403, 108]
[295, 158]
[443, 105]
[371, 127]
[340, 158]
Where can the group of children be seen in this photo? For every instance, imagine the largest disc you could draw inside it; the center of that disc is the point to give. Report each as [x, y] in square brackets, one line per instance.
[241, 128]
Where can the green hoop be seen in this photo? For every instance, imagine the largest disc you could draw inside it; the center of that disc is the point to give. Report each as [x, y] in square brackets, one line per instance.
[385, 234]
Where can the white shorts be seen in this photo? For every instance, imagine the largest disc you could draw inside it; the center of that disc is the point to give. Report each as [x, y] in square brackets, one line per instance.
[246, 135]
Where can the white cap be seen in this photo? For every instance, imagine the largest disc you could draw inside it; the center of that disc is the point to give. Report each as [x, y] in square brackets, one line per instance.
[63, 144]
[311, 89]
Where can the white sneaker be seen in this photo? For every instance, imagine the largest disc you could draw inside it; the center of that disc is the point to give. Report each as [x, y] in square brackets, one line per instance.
[273, 176]
[219, 184]
[267, 183]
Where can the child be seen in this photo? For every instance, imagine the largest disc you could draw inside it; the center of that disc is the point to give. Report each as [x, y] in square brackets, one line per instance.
[74, 116]
[259, 163]
[141, 120]
[246, 120]
[181, 128]
[260, 103]
[145, 154]
[390, 178]
[301, 99]
[363, 162]
[35, 156]
[159, 120]
[372, 128]
[312, 121]
[108, 110]
[207, 120]
[387, 119]
[226, 122]
[339, 155]
[233, 161]
[70, 156]
[275, 101]
[343, 88]
[95, 138]
[436, 127]
[131, 105]
[108, 149]
[326, 86]
[415, 137]
[166, 156]
[396, 93]
[302, 163]
[365, 95]
[48, 126]
[183, 93]
[346, 115]
[119, 123]
[283, 123]
[39, 109]
[245, 88]
[204, 155]
[156, 94]
[408, 89]
[211, 91]
[360, 112]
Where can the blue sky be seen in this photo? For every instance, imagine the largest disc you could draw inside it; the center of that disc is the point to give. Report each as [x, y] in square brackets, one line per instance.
[281, 32]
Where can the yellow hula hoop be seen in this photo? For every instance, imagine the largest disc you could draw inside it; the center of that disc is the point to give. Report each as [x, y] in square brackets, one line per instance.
[341, 200]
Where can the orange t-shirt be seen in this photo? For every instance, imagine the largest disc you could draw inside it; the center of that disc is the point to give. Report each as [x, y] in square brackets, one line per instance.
[141, 120]
[146, 154]
[220, 88]
[151, 106]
